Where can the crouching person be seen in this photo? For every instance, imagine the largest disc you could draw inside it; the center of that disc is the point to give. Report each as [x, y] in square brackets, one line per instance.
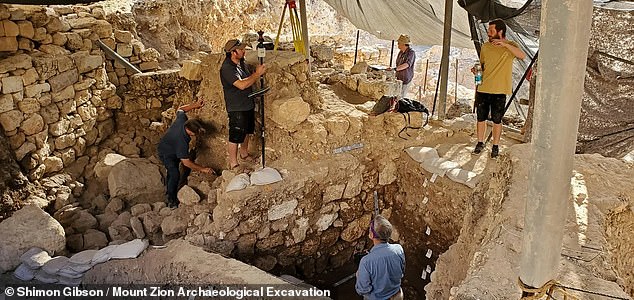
[173, 149]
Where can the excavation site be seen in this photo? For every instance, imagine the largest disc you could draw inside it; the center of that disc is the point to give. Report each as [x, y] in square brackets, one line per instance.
[322, 149]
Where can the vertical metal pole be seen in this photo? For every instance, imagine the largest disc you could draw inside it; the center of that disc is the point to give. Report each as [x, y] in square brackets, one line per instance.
[455, 98]
[304, 22]
[564, 36]
[356, 48]
[425, 76]
[444, 62]
[391, 54]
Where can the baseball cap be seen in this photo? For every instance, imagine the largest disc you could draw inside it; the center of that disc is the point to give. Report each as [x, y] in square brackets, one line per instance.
[234, 44]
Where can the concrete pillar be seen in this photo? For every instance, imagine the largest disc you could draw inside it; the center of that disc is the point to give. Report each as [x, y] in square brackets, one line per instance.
[564, 36]
[444, 61]
[304, 21]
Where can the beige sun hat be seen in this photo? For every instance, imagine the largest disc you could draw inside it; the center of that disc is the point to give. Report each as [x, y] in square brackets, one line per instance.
[403, 39]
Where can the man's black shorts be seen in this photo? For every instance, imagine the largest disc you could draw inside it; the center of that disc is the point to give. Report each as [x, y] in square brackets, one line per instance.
[241, 123]
[493, 103]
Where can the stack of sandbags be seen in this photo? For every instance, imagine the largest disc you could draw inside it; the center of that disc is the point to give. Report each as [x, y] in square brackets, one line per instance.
[433, 163]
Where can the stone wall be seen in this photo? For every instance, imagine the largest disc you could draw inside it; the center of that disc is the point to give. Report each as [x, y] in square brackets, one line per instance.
[58, 89]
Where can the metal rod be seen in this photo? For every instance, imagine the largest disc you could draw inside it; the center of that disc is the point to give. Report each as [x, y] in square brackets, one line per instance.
[517, 89]
[344, 280]
[356, 48]
[455, 98]
[391, 54]
[433, 110]
[114, 55]
[425, 76]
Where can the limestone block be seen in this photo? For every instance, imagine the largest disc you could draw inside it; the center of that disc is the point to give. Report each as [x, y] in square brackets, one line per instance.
[53, 50]
[67, 106]
[59, 128]
[125, 50]
[12, 63]
[140, 209]
[12, 84]
[187, 196]
[152, 222]
[322, 52]
[325, 221]
[87, 112]
[337, 125]
[356, 229]
[17, 140]
[120, 233]
[65, 141]
[26, 29]
[86, 62]
[44, 232]
[59, 39]
[359, 68]
[387, 175]
[149, 65]
[40, 34]
[63, 80]
[6, 103]
[103, 29]
[289, 113]
[32, 125]
[150, 54]
[66, 93]
[84, 222]
[53, 164]
[57, 25]
[333, 192]
[173, 225]
[8, 44]
[353, 187]
[137, 227]
[25, 44]
[85, 22]
[35, 90]
[25, 149]
[134, 178]
[74, 41]
[122, 36]
[94, 239]
[11, 120]
[30, 77]
[11, 29]
[68, 156]
[280, 211]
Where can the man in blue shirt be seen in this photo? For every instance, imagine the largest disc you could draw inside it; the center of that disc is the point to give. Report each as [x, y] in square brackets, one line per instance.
[173, 149]
[380, 271]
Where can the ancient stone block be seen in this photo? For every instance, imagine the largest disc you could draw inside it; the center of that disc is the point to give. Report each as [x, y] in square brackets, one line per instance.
[63, 80]
[125, 50]
[65, 141]
[30, 77]
[6, 103]
[277, 212]
[29, 106]
[26, 29]
[102, 28]
[35, 90]
[85, 22]
[149, 65]
[49, 113]
[53, 164]
[33, 124]
[12, 84]
[289, 113]
[53, 50]
[11, 29]
[122, 36]
[12, 63]
[11, 120]
[8, 44]
[74, 41]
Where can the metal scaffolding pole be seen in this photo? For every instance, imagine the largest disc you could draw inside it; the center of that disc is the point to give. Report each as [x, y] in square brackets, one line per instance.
[444, 62]
[303, 16]
[564, 37]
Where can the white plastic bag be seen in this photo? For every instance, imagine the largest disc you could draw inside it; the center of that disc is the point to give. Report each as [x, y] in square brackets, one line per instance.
[237, 183]
[265, 176]
[421, 154]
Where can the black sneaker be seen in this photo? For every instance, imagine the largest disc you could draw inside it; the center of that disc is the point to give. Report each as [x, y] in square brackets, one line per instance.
[478, 148]
[495, 151]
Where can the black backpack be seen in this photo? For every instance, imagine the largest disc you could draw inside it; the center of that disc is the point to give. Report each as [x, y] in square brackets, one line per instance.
[405, 106]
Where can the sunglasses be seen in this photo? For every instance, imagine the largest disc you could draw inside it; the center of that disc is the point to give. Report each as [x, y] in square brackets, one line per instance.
[235, 45]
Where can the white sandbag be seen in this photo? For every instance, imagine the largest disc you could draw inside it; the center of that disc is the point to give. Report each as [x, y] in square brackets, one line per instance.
[68, 272]
[465, 177]
[69, 281]
[55, 264]
[439, 166]
[131, 249]
[265, 176]
[237, 183]
[35, 258]
[23, 272]
[421, 154]
[83, 258]
[45, 277]
[103, 255]
[79, 268]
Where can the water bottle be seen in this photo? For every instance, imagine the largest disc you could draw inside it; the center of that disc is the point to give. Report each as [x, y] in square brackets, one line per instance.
[478, 73]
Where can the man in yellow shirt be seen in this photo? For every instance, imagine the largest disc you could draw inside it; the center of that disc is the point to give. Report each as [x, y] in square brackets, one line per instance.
[496, 58]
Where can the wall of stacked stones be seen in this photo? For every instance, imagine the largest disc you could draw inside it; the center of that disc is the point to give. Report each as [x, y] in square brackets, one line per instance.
[58, 90]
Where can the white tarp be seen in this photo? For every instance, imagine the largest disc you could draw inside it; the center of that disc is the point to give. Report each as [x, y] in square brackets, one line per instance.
[422, 20]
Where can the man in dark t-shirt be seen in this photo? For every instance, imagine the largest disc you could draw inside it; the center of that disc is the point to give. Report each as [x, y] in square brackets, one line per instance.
[405, 63]
[173, 149]
[237, 82]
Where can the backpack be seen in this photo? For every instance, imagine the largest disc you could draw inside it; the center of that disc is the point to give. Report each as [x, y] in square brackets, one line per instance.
[405, 106]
